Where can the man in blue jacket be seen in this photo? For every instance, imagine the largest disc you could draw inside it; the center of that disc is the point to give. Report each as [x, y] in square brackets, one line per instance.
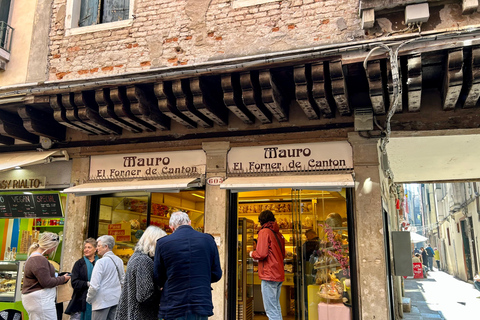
[185, 264]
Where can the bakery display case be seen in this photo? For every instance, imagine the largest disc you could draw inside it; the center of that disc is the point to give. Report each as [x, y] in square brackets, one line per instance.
[11, 275]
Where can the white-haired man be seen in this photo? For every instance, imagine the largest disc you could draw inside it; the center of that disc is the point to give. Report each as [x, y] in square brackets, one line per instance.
[106, 281]
[185, 264]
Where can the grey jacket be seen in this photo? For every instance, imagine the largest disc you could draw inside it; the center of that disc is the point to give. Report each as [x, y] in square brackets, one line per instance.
[106, 285]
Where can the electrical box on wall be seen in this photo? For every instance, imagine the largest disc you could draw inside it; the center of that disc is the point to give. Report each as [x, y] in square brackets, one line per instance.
[402, 253]
[416, 13]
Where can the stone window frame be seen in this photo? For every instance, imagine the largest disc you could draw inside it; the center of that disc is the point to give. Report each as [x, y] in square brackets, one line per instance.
[73, 15]
[249, 3]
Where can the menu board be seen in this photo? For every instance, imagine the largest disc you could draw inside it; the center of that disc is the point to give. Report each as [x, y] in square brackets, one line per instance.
[30, 206]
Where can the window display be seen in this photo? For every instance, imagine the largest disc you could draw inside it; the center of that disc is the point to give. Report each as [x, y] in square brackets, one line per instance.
[126, 216]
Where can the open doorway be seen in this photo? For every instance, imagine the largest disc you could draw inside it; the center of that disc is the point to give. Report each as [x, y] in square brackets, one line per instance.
[315, 225]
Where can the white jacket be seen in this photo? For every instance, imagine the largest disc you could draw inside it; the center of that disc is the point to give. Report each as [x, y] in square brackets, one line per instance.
[105, 286]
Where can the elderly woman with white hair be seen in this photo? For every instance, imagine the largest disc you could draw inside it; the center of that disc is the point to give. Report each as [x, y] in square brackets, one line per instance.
[106, 281]
[39, 280]
[140, 297]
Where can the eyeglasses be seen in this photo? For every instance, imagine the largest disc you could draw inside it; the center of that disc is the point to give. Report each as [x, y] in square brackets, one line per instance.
[56, 238]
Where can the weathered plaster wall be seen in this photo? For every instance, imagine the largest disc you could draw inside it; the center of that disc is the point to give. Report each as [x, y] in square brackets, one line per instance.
[172, 33]
[21, 20]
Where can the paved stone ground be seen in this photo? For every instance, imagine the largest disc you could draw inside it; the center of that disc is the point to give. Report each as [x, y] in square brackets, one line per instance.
[441, 296]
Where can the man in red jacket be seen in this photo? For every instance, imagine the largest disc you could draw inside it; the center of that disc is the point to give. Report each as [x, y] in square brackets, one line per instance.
[270, 253]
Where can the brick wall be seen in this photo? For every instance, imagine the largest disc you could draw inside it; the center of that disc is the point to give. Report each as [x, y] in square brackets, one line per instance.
[169, 33]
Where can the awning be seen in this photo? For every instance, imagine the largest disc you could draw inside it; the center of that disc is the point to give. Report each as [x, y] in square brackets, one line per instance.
[21, 159]
[320, 181]
[416, 238]
[163, 185]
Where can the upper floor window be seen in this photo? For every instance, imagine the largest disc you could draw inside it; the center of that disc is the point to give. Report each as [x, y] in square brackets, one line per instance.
[85, 16]
[102, 11]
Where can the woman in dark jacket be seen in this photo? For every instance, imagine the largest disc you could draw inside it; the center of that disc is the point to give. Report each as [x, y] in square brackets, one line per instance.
[140, 297]
[78, 308]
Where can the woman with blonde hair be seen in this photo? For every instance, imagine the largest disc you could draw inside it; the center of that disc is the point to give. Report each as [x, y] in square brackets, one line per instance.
[39, 280]
[78, 308]
[140, 297]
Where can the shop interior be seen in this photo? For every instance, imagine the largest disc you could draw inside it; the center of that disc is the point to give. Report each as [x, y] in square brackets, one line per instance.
[41, 212]
[125, 216]
[317, 266]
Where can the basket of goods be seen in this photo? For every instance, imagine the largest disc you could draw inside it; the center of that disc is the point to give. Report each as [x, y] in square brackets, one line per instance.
[332, 291]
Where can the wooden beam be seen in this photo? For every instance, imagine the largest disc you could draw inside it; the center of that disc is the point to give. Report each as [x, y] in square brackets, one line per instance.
[473, 71]
[121, 108]
[414, 83]
[375, 86]
[167, 104]
[251, 94]
[319, 91]
[208, 99]
[453, 80]
[60, 114]
[273, 98]
[7, 141]
[339, 87]
[144, 105]
[106, 109]
[181, 91]
[72, 114]
[11, 125]
[88, 112]
[232, 96]
[41, 123]
[303, 91]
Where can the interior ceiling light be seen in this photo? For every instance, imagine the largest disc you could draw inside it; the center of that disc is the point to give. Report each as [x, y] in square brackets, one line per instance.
[198, 195]
[17, 167]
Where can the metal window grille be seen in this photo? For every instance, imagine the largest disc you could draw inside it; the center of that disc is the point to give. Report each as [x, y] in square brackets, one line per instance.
[6, 33]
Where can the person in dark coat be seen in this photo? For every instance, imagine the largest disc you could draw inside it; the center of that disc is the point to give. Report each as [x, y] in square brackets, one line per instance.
[78, 308]
[186, 263]
[140, 296]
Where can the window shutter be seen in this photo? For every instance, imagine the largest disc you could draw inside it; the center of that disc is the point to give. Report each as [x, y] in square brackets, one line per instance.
[115, 10]
[88, 12]
[4, 10]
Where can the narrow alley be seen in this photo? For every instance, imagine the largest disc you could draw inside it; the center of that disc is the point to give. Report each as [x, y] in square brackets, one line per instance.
[441, 296]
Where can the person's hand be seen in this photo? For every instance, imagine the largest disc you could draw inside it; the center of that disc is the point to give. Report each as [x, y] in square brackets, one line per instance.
[67, 277]
[250, 253]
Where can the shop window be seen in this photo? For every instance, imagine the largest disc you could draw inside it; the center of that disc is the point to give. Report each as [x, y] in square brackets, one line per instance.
[315, 225]
[126, 216]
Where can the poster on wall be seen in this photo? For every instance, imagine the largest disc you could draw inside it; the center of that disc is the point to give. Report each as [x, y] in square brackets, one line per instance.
[30, 206]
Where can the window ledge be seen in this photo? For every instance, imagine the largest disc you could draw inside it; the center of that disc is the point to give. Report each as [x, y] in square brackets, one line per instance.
[99, 27]
[4, 55]
[249, 3]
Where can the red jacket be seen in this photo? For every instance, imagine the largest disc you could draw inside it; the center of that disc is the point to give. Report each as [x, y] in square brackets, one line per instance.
[269, 254]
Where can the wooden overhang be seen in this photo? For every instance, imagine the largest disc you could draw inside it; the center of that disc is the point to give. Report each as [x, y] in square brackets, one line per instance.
[440, 82]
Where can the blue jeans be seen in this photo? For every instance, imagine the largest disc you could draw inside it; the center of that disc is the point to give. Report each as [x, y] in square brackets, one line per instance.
[271, 299]
[430, 263]
[191, 316]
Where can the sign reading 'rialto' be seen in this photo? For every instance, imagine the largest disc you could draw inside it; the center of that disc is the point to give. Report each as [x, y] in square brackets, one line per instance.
[140, 165]
[292, 157]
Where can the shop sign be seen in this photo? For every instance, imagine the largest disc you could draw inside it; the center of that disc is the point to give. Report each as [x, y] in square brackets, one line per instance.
[144, 165]
[215, 181]
[120, 231]
[30, 206]
[322, 156]
[23, 183]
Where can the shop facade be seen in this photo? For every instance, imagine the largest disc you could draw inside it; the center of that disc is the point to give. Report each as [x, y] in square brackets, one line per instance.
[31, 202]
[305, 184]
